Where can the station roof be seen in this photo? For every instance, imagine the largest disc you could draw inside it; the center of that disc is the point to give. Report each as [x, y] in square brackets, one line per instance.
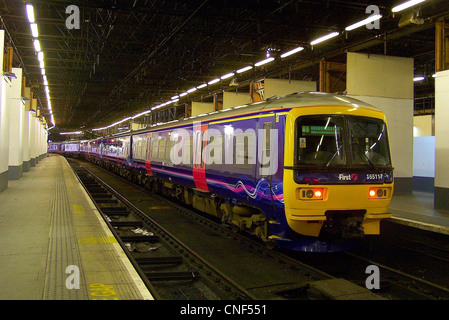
[128, 56]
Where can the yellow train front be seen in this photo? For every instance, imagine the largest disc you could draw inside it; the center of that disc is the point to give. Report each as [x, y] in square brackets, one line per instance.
[338, 177]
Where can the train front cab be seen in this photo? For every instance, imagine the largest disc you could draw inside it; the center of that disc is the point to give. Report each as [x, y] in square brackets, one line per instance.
[328, 195]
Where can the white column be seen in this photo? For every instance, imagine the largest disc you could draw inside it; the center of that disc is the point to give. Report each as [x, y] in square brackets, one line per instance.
[441, 198]
[15, 162]
[386, 82]
[4, 122]
[26, 133]
[32, 146]
[37, 138]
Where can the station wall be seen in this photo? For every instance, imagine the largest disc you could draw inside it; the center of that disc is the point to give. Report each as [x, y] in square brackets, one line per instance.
[441, 141]
[422, 126]
[387, 83]
[4, 123]
[281, 87]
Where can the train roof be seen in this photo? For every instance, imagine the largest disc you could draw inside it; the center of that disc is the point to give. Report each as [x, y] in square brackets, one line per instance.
[294, 100]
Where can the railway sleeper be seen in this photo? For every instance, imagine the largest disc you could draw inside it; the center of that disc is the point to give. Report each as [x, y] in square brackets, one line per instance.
[159, 260]
[170, 276]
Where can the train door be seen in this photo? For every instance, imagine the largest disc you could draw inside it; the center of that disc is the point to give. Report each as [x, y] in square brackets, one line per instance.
[199, 156]
[148, 153]
[267, 157]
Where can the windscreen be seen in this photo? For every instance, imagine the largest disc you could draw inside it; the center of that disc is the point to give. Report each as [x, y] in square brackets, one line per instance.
[341, 141]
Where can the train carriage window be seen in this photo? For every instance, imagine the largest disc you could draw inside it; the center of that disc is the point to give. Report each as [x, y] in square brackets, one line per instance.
[147, 148]
[169, 147]
[245, 149]
[215, 150]
[161, 149]
[187, 152]
[154, 149]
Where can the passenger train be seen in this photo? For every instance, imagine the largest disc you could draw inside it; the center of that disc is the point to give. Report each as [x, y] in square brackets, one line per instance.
[308, 171]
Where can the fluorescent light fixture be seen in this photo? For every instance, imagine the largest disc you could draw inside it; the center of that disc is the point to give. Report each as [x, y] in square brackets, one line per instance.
[228, 75]
[45, 82]
[244, 69]
[213, 81]
[363, 22]
[140, 114]
[30, 13]
[73, 132]
[201, 86]
[40, 56]
[43, 71]
[293, 51]
[257, 64]
[434, 75]
[44, 77]
[34, 31]
[47, 90]
[37, 45]
[174, 97]
[41, 64]
[406, 5]
[420, 78]
[324, 38]
[183, 94]
[191, 90]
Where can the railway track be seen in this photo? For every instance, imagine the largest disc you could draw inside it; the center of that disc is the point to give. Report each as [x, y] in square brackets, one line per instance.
[169, 269]
[263, 273]
[308, 269]
[411, 265]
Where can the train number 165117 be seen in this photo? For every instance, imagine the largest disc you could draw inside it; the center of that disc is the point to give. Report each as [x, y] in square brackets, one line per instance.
[374, 176]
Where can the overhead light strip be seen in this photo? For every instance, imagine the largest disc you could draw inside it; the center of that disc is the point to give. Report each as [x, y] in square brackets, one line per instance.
[363, 22]
[40, 55]
[291, 52]
[406, 5]
[324, 38]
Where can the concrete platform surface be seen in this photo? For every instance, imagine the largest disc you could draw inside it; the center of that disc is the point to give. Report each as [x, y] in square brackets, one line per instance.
[55, 245]
[416, 210]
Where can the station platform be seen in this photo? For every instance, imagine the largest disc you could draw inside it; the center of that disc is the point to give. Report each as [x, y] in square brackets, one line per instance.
[49, 229]
[416, 210]
[55, 244]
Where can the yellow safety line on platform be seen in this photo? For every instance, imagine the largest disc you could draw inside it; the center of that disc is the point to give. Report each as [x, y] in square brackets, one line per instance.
[93, 240]
[77, 209]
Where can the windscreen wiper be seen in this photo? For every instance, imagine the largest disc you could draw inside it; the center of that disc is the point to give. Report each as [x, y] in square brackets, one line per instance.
[329, 162]
[369, 161]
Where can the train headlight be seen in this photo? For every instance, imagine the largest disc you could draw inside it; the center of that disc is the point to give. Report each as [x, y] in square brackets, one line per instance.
[311, 193]
[379, 193]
